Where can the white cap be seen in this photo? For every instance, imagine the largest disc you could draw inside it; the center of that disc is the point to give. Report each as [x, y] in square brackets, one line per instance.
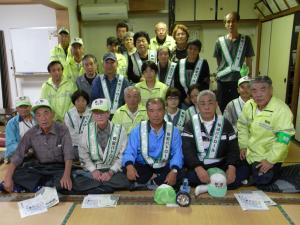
[41, 103]
[100, 104]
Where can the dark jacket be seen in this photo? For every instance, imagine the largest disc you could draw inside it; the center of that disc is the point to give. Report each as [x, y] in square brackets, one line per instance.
[228, 147]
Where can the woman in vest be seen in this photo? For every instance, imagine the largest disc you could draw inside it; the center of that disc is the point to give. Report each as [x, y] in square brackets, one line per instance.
[151, 87]
[191, 70]
[173, 113]
[166, 69]
[181, 36]
[78, 117]
[136, 60]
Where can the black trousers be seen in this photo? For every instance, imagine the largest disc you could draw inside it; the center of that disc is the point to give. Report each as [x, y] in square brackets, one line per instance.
[145, 173]
[33, 174]
[226, 92]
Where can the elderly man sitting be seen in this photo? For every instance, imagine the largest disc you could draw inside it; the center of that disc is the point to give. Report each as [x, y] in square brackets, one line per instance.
[265, 128]
[210, 141]
[102, 146]
[153, 153]
[130, 114]
[53, 156]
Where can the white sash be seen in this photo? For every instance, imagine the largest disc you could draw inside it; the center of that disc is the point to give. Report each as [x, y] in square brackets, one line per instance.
[137, 62]
[195, 76]
[114, 106]
[104, 160]
[237, 106]
[170, 74]
[152, 55]
[214, 142]
[180, 121]
[84, 121]
[231, 66]
[192, 111]
[162, 161]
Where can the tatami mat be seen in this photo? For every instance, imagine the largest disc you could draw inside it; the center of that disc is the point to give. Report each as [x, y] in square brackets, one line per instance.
[293, 212]
[161, 215]
[9, 215]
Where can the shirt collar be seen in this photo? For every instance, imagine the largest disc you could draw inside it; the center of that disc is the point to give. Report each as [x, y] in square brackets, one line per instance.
[51, 131]
[114, 79]
[207, 122]
[150, 128]
[106, 129]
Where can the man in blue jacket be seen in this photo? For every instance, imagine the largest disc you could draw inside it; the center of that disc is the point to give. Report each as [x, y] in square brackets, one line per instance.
[18, 125]
[154, 150]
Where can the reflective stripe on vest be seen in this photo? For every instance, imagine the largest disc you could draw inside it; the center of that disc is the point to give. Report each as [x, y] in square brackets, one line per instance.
[231, 66]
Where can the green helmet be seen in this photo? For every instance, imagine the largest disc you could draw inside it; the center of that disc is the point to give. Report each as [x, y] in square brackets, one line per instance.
[165, 194]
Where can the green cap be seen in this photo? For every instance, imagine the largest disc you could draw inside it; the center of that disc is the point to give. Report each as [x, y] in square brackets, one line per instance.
[217, 186]
[165, 194]
[23, 101]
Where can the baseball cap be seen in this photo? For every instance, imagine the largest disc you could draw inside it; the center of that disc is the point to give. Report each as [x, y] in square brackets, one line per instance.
[109, 55]
[22, 100]
[217, 186]
[41, 103]
[165, 194]
[63, 30]
[243, 80]
[77, 40]
[100, 104]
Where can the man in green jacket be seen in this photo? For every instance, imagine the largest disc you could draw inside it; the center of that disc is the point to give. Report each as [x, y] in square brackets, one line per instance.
[61, 51]
[132, 113]
[265, 128]
[58, 90]
[74, 67]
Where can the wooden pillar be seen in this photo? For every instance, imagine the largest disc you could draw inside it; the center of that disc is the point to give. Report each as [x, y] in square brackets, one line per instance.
[296, 82]
[62, 18]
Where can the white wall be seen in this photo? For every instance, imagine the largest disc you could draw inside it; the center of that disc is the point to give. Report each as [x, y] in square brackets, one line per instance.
[94, 34]
[208, 34]
[22, 16]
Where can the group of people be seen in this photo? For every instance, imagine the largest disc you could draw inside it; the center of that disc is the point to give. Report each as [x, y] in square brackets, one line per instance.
[150, 121]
